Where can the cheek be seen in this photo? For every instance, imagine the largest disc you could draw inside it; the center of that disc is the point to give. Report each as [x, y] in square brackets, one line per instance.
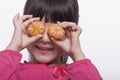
[58, 50]
[31, 49]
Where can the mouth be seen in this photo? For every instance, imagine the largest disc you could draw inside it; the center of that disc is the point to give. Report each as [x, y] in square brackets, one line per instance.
[44, 49]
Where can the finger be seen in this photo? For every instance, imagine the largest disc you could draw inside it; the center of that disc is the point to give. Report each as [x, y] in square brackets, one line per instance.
[26, 23]
[58, 22]
[65, 23]
[75, 28]
[70, 25]
[57, 41]
[67, 33]
[60, 43]
[54, 41]
[26, 17]
[80, 29]
[16, 17]
[35, 38]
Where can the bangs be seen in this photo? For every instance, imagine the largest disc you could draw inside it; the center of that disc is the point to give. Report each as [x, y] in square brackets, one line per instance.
[52, 10]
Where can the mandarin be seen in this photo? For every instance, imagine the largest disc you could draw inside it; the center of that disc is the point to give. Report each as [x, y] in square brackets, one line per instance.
[36, 27]
[55, 31]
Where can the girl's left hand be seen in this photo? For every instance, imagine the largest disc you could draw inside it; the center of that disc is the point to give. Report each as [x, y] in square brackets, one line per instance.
[70, 44]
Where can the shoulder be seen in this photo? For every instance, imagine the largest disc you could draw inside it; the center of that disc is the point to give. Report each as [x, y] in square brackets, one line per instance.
[79, 63]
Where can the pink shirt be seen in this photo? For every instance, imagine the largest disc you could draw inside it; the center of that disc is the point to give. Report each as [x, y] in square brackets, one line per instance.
[12, 69]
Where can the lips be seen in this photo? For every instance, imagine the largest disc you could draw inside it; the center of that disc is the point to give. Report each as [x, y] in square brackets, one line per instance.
[44, 48]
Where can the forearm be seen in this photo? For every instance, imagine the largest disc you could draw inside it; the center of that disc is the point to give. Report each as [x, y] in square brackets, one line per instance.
[12, 47]
[14, 44]
[77, 55]
[76, 52]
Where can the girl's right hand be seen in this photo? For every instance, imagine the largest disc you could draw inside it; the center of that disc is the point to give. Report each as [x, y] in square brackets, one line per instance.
[20, 39]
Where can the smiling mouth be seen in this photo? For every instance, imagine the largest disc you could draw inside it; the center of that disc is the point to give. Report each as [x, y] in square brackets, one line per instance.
[44, 48]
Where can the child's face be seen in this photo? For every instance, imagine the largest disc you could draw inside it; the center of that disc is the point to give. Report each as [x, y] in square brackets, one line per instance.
[44, 50]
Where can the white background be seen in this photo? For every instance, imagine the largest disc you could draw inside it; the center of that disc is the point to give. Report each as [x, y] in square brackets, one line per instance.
[100, 39]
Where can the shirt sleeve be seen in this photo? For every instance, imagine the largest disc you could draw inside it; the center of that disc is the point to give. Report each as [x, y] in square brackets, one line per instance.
[83, 70]
[9, 60]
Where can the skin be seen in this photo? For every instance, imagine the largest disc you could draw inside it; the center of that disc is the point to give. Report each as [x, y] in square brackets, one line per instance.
[21, 40]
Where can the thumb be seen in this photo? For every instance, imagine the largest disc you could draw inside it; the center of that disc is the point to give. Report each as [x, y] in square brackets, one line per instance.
[15, 19]
[59, 23]
[54, 41]
[57, 42]
[35, 38]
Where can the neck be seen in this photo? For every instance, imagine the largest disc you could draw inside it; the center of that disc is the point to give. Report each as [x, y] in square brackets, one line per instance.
[53, 63]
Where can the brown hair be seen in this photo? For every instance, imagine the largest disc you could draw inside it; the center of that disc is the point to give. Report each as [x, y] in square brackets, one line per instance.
[54, 10]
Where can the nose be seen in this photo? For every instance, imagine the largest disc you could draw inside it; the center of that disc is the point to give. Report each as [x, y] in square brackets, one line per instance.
[45, 37]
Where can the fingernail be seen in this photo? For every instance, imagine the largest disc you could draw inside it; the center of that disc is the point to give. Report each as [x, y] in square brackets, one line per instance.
[18, 14]
[31, 15]
[38, 17]
[58, 22]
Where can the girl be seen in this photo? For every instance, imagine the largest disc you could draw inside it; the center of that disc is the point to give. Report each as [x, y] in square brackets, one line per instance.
[48, 56]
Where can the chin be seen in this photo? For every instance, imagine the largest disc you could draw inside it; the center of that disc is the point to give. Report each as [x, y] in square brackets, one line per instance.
[47, 55]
